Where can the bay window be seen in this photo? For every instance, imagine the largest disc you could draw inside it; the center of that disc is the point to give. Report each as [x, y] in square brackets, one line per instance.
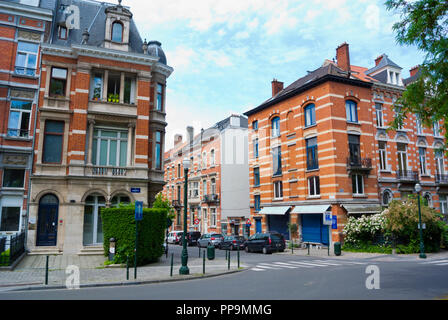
[158, 150]
[159, 105]
[19, 118]
[109, 147]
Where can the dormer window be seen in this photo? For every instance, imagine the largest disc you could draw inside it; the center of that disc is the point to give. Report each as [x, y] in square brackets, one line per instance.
[117, 32]
[63, 33]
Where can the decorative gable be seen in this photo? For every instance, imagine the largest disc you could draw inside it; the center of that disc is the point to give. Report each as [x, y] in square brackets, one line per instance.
[118, 21]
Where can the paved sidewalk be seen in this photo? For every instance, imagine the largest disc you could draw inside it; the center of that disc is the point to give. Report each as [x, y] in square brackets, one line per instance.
[30, 273]
[314, 252]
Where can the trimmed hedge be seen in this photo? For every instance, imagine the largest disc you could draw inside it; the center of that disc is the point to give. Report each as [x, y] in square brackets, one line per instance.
[119, 223]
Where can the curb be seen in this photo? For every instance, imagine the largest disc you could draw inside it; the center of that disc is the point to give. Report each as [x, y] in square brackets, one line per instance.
[125, 283]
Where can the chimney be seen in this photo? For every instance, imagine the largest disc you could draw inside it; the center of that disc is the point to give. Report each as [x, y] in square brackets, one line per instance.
[343, 57]
[378, 60]
[277, 86]
[414, 71]
[177, 139]
[190, 133]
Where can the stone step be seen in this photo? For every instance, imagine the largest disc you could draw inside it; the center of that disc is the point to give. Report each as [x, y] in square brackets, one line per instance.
[94, 250]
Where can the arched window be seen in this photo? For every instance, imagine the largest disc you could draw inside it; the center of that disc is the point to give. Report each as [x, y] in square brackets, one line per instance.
[275, 122]
[120, 198]
[351, 111]
[117, 32]
[310, 115]
[387, 197]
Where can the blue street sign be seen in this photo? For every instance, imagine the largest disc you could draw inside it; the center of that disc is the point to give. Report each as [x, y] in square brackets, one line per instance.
[335, 223]
[138, 210]
[135, 190]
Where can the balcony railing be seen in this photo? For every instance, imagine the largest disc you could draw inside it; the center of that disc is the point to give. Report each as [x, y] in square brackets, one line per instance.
[25, 71]
[211, 198]
[354, 163]
[22, 133]
[441, 179]
[104, 171]
[410, 176]
[176, 203]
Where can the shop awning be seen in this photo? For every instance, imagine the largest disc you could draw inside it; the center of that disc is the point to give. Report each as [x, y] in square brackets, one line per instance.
[362, 208]
[274, 210]
[311, 209]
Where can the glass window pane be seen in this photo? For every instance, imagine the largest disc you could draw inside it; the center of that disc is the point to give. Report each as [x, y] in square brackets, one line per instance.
[10, 219]
[88, 225]
[113, 153]
[117, 32]
[25, 122]
[21, 60]
[99, 228]
[49, 199]
[17, 104]
[27, 46]
[123, 153]
[32, 59]
[59, 73]
[52, 149]
[13, 178]
[127, 90]
[112, 134]
[13, 123]
[103, 152]
[54, 126]
[97, 87]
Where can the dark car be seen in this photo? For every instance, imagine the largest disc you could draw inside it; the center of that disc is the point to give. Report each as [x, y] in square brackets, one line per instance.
[232, 243]
[210, 239]
[193, 237]
[265, 242]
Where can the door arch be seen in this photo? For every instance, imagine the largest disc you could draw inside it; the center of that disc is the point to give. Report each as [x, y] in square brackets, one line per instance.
[47, 224]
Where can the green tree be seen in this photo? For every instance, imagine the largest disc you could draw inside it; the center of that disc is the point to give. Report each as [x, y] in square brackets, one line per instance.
[161, 202]
[424, 24]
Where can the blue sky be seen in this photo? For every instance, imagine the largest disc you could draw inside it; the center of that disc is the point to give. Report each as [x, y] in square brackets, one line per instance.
[225, 53]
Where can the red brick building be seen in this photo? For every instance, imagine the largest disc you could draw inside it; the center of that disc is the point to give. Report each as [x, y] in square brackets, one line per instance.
[22, 30]
[315, 148]
[218, 189]
[100, 127]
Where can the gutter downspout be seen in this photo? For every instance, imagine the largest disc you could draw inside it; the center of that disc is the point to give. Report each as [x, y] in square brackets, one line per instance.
[32, 155]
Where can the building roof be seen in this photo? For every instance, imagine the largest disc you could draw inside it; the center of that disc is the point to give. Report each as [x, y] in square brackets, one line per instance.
[384, 62]
[328, 71]
[412, 78]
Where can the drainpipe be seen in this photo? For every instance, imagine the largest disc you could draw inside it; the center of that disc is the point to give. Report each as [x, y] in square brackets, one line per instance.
[28, 198]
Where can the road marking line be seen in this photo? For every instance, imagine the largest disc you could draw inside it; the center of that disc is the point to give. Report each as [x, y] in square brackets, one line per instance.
[309, 264]
[325, 262]
[285, 265]
[267, 267]
[256, 269]
[442, 264]
[437, 261]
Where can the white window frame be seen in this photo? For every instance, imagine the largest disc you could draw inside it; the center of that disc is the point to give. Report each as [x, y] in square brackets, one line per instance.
[379, 115]
[436, 128]
[204, 160]
[383, 156]
[312, 191]
[99, 138]
[418, 125]
[403, 155]
[27, 54]
[278, 190]
[21, 111]
[212, 186]
[195, 189]
[357, 186]
[213, 217]
[443, 200]
[422, 161]
[440, 162]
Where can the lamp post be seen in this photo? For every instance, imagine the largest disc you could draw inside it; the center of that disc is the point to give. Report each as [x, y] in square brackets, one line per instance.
[418, 189]
[184, 258]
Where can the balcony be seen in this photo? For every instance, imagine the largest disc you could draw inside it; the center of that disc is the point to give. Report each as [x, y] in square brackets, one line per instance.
[441, 179]
[109, 171]
[359, 164]
[407, 176]
[209, 198]
[176, 203]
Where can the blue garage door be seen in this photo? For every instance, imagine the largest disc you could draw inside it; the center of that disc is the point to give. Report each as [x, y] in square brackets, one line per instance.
[313, 230]
[279, 223]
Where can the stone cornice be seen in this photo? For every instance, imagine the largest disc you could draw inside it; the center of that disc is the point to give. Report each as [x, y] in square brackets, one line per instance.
[26, 11]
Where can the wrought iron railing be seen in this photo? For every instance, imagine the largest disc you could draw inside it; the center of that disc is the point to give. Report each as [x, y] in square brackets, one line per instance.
[211, 198]
[359, 163]
[441, 178]
[25, 71]
[407, 175]
[22, 133]
[16, 249]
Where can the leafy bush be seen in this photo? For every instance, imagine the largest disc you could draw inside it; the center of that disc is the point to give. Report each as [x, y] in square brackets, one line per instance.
[119, 223]
[367, 247]
[402, 221]
[4, 258]
[363, 229]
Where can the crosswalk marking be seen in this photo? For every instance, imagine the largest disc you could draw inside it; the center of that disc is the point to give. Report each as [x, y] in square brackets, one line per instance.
[437, 261]
[276, 265]
[442, 264]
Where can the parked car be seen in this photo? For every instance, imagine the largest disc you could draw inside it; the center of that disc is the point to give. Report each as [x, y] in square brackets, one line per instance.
[232, 243]
[174, 237]
[210, 239]
[192, 237]
[265, 242]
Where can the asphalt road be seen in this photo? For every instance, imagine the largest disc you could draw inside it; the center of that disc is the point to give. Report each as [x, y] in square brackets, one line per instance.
[280, 277]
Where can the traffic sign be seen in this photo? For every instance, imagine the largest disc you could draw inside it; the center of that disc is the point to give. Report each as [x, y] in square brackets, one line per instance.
[334, 224]
[328, 220]
[248, 223]
[196, 221]
[138, 210]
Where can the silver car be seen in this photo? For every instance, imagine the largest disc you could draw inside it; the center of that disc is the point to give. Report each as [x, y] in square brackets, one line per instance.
[210, 239]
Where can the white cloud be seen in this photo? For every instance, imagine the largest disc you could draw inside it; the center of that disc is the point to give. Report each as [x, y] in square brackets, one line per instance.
[242, 35]
[372, 17]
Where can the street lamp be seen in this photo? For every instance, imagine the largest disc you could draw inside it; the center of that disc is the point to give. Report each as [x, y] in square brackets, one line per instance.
[418, 189]
[184, 258]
